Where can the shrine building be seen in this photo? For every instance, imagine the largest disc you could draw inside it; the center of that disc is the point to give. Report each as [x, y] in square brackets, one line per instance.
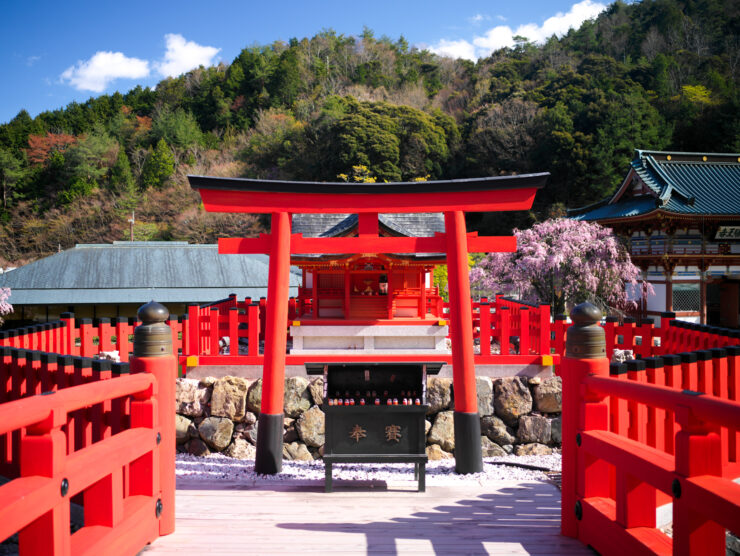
[679, 214]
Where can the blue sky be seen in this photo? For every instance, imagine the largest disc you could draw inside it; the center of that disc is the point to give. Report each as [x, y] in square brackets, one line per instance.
[54, 52]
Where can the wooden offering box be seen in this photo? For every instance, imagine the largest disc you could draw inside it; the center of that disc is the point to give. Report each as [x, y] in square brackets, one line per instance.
[375, 414]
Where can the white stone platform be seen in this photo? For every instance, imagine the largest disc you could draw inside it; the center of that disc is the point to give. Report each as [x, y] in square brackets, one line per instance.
[421, 339]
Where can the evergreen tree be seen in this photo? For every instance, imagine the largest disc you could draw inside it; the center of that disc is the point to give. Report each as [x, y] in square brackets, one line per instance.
[121, 178]
[158, 166]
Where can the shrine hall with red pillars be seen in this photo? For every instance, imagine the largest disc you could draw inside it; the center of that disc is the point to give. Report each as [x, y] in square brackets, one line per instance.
[359, 296]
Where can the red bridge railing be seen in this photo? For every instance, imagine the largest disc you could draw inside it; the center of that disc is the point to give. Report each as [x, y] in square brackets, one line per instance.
[639, 435]
[89, 432]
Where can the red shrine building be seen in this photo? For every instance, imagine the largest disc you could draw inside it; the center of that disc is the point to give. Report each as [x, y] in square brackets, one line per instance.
[679, 214]
[370, 270]
[342, 293]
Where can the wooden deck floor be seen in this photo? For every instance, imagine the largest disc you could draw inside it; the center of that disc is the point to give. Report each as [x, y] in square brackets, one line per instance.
[367, 518]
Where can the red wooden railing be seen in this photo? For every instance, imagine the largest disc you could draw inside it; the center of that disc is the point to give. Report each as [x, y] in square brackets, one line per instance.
[71, 442]
[648, 432]
[83, 337]
[90, 431]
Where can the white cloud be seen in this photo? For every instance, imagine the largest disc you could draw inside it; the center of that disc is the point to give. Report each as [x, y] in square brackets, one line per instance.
[478, 19]
[503, 36]
[455, 49]
[99, 71]
[182, 56]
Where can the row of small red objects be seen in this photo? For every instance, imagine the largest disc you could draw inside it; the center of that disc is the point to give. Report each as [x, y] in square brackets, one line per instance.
[389, 401]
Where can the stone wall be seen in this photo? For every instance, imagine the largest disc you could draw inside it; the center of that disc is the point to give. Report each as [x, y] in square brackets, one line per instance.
[519, 415]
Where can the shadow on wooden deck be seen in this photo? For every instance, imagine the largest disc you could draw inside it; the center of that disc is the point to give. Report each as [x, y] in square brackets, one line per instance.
[368, 518]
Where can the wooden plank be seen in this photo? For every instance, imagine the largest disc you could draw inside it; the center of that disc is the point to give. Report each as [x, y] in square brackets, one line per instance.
[367, 518]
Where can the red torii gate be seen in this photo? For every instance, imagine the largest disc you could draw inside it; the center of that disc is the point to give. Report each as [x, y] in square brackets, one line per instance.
[367, 200]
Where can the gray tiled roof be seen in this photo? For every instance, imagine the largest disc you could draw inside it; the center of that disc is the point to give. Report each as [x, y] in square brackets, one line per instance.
[136, 272]
[679, 183]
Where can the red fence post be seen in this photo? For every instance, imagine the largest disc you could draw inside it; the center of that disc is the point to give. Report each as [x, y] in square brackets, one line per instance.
[544, 330]
[719, 388]
[524, 341]
[253, 329]
[233, 331]
[733, 389]
[504, 323]
[484, 312]
[104, 334]
[637, 411]
[153, 354]
[582, 475]
[698, 452]
[194, 329]
[655, 416]
[87, 349]
[6, 386]
[672, 378]
[559, 326]
[667, 333]
[68, 334]
[618, 413]
[43, 453]
[689, 376]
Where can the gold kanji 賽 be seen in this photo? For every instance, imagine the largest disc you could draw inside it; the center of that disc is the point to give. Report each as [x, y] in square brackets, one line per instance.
[357, 433]
[393, 433]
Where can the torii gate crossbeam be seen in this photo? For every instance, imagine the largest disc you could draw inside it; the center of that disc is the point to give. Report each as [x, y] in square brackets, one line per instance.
[452, 197]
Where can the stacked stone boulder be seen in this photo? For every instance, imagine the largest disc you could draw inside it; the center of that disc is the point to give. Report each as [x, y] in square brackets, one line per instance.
[519, 415]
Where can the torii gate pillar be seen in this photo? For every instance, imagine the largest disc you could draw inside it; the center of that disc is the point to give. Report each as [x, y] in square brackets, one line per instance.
[468, 456]
[269, 459]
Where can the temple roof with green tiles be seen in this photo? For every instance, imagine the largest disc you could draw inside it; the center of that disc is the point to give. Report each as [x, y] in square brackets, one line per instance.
[683, 185]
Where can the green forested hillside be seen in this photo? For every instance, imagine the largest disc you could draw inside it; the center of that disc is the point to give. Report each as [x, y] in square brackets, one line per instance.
[659, 74]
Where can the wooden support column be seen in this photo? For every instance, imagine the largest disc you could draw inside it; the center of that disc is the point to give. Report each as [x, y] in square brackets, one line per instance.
[703, 293]
[269, 459]
[468, 457]
[315, 293]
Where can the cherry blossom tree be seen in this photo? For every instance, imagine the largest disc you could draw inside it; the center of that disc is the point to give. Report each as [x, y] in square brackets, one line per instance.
[562, 262]
[5, 307]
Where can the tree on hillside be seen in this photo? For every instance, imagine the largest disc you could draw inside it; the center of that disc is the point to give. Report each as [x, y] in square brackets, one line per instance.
[11, 172]
[158, 166]
[121, 178]
[41, 147]
[562, 262]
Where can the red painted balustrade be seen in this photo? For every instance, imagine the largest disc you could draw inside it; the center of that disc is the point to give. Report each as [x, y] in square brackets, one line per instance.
[646, 433]
[83, 337]
[73, 429]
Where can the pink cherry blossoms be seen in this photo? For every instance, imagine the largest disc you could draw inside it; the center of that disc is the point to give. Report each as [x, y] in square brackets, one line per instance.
[5, 307]
[561, 262]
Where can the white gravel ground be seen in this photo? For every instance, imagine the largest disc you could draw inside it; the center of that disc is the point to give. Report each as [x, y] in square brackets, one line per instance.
[442, 472]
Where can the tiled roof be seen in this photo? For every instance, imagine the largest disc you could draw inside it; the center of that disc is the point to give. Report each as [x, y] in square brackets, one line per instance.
[136, 272]
[679, 183]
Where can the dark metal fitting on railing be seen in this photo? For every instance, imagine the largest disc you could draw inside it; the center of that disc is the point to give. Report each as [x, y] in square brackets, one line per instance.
[153, 337]
[585, 339]
[676, 488]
